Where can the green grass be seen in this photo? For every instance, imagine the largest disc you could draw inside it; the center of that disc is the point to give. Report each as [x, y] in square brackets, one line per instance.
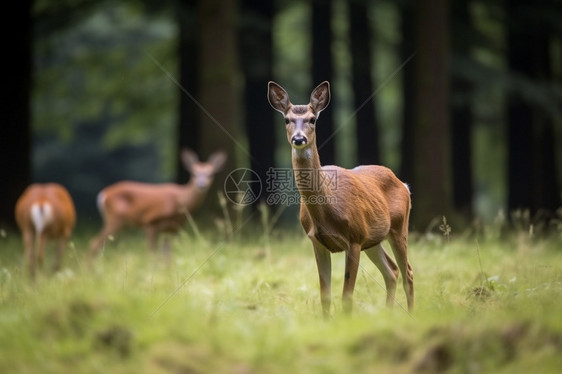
[237, 307]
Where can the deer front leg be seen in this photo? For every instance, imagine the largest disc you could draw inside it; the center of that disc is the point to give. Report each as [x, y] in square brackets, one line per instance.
[351, 268]
[151, 237]
[324, 264]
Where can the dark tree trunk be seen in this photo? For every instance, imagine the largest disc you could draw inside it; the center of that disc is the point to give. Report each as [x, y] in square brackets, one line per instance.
[519, 116]
[15, 137]
[189, 113]
[461, 116]
[361, 63]
[217, 87]
[322, 71]
[407, 48]
[256, 60]
[431, 186]
[532, 172]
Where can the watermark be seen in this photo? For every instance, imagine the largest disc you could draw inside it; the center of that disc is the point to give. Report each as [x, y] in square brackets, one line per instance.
[242, 186]
[284, 186]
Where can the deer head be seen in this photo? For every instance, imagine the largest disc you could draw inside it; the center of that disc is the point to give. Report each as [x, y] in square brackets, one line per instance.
[203, 173]
[300, 120]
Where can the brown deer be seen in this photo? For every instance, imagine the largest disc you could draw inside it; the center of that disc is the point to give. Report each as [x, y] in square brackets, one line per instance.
[345, 210]
[155, 207]
[44, 212]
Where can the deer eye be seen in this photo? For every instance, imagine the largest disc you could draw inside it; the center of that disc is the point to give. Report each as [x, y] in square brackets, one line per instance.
[312, 121]
[287, 121]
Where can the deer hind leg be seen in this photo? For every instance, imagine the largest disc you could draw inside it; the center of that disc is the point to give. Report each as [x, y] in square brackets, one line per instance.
[324, 264]
[41, 242]
[399, 244]
[60, 251]
[388, 268]
[28, 239]
[352, 256]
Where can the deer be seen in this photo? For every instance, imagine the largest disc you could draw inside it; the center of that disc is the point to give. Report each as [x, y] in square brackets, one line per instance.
[345, 210]
[157, 208]
[44, 212]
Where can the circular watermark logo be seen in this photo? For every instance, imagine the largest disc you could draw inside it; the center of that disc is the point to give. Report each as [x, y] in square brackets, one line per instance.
[242, 186]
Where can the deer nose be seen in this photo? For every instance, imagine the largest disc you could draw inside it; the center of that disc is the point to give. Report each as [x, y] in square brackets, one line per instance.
[299, 140]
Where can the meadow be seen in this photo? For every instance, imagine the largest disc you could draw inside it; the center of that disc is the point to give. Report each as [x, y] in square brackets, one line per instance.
[486, 302]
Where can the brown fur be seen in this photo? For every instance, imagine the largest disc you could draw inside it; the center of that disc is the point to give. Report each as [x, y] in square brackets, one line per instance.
[56, 211]
[155, 207]
[365, 206]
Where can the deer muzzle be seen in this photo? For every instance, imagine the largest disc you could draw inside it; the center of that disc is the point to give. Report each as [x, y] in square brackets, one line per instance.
[299, 140]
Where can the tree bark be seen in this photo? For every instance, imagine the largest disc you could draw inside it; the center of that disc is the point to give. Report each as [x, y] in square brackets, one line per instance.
[15, 138]
[322, 71]
[407, 48]
[218, 91]
[257, 64]
[431, 186]
[362, 83]
[189, 114]
[461, 117]
[532, 180]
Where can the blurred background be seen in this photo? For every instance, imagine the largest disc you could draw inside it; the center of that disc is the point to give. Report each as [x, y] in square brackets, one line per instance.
[462, 99]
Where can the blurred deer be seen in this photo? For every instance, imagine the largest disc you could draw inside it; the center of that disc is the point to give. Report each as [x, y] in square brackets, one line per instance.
[44, 212]
[345, 210]
[156, 208]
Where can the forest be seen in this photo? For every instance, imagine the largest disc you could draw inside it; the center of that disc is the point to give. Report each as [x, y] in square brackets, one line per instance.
[462, 99]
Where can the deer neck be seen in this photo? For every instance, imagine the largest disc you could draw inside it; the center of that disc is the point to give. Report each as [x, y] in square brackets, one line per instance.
[308, 172]
[192, 196]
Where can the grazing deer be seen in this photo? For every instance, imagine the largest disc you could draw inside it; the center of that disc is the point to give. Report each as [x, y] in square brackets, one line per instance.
[345, 210]
[43, 212]
[155, 207]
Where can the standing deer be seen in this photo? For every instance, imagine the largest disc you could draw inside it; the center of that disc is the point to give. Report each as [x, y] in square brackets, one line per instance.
[43, 212]
[367, 204]
[155, 207]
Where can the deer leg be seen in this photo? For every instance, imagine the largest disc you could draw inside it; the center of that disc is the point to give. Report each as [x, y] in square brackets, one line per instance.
[388, 268]
[109, 228]
[399, 244]
[60, 251]
[28, 240]
[352, 256]
[167, 249]
[324, 264]
[151, 236]
[41, 250]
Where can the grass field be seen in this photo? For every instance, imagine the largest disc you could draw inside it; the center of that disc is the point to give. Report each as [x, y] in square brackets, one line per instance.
[244, 306]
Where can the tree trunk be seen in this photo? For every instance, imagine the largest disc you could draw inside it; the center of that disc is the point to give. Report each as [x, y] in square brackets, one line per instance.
[366, 121]
[461, 117]
[218, 91]
[15, 138]
[431, 184]
[407, 48]
[257, 65]
[189, 113]
[532, 172]
[322, 71]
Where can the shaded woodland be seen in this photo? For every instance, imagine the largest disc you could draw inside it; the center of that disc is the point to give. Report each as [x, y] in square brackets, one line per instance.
[462, 99]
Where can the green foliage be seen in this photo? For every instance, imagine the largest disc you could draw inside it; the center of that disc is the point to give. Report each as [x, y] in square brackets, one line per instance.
[98, 72]
[222, 306]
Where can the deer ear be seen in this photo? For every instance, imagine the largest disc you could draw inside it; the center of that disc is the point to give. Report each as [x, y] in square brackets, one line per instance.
[320, 97]
[278, 97]
[188, 158]
[217, 159]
